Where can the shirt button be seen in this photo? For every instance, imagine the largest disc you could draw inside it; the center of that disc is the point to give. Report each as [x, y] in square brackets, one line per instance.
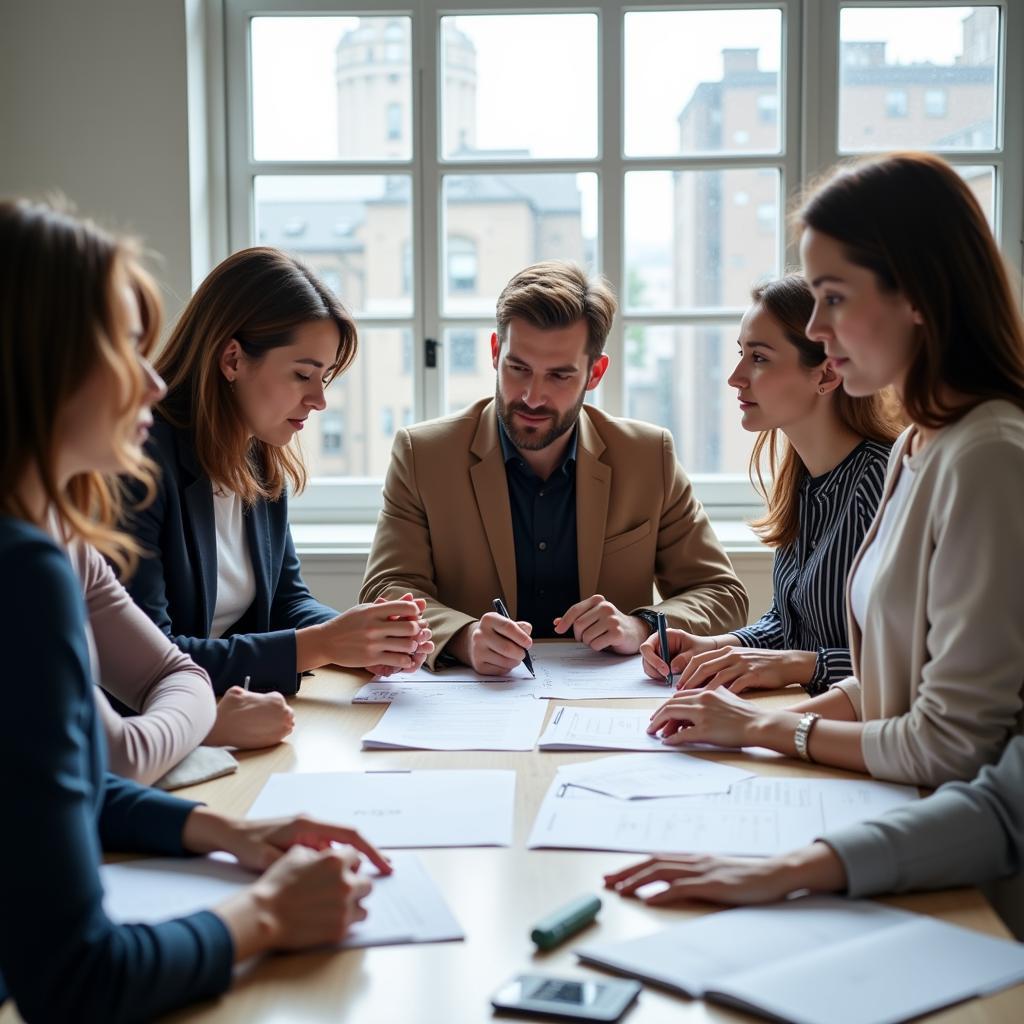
[540, 494]
[543, 545]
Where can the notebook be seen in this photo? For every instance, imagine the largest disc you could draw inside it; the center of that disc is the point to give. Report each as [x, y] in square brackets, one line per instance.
[819, 960]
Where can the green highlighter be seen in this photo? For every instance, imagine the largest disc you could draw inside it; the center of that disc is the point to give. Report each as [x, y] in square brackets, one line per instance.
[565, 921]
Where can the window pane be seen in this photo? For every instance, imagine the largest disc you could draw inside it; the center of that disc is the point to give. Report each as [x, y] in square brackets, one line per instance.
[677, 377]
[365, 406]
[699, 239]
[331, 88]
[982, 181]
[920, 77]
[517, 86]
[355, 232]
[497, 224]
[722, 92]
[469, 374]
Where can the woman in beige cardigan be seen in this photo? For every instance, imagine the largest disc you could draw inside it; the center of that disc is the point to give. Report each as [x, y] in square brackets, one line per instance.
[911, 291]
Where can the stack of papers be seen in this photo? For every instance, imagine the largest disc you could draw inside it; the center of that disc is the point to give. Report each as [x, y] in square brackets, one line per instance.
[646, 776]
[820, 961]
[625, 729]
[385, 691]
[454, 674]
[400, 808]
[467, 716]
[758, 817]
[567, 671]
[402, 907]
[575, 672]
[600, 729]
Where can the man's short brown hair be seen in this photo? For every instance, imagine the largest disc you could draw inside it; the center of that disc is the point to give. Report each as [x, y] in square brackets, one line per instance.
[557, 293]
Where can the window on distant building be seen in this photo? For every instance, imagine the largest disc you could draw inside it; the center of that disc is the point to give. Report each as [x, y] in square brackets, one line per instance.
[896, 103]
[462, 265]
[768, 107]
[935, 102]
[462, 358]
[394, 120]
[332, 432]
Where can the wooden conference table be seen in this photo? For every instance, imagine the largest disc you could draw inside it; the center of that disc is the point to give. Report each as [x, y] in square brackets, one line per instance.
[496, 894]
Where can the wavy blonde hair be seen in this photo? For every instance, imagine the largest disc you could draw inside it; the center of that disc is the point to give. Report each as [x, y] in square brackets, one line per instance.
[60, 320]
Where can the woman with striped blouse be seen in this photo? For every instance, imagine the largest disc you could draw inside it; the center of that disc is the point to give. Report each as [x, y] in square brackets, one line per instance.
[827, 468]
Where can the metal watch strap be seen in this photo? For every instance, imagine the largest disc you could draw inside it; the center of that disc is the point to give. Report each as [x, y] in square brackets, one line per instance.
[803, 732]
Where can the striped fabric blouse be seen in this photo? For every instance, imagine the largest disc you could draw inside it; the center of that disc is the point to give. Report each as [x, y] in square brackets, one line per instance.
[808, 610]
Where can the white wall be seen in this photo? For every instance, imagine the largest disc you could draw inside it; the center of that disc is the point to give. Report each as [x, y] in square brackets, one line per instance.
[93, 102]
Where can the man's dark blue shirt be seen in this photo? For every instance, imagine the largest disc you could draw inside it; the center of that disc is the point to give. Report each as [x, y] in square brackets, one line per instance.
[544, 529]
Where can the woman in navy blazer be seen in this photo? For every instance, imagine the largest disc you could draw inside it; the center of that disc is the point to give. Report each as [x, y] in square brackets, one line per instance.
[247, 363]
[75, 395]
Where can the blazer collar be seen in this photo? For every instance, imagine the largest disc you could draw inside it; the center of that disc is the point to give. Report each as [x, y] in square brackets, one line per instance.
[593, 489]
[490, 486]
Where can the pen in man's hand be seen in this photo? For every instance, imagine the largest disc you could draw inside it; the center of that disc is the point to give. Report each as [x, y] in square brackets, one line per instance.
[663, 641]
[499, 607]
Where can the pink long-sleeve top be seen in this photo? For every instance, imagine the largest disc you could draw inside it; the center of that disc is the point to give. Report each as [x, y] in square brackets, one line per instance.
[134, 661]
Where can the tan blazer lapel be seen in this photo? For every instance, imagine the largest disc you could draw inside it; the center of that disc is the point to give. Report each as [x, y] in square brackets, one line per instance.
[593, 487]
[490, 484]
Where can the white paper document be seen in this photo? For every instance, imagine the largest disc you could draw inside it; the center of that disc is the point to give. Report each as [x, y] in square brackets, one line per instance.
[401, 808]
[453, 673]
[646, 776]
[758, 817]
[573, 671]
[429, 723]
[402, 907]
[618, 729]
[384, 691]
[600, 729]
[820, 961]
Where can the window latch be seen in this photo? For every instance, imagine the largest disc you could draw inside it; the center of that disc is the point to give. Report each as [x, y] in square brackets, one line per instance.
[430, 348]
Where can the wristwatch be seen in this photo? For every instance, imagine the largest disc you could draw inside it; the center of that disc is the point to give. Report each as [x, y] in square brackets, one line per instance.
[803, 732]
[649, 617]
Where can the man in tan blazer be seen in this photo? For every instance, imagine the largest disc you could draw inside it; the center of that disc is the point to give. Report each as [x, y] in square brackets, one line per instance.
[570, 515]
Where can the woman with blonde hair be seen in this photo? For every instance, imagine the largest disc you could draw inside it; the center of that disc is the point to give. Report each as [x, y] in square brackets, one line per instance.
[826, 453]
[248, 361]
[75, 391]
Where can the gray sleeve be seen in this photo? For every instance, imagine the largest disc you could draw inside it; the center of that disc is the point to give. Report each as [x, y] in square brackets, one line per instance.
[964, 834]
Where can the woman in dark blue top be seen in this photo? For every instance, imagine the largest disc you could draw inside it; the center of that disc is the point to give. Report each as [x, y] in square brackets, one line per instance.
[826, 486]
[246, 364]
[77, 316]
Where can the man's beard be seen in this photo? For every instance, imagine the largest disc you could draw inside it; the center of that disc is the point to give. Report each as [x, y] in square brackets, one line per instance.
[533, 439]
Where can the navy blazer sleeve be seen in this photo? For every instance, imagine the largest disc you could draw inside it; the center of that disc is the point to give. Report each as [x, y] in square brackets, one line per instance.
[293, 606]
[265, 651]
[61, 957]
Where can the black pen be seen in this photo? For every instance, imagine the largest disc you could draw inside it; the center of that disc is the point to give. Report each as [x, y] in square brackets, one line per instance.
[663, 640]
[499, 607]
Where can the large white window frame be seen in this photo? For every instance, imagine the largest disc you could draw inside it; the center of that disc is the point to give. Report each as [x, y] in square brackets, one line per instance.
[808, 116]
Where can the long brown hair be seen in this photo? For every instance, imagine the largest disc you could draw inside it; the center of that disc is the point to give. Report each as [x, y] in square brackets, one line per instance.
[60, 319]
[913, 221]
[789, 302]
[258, 297]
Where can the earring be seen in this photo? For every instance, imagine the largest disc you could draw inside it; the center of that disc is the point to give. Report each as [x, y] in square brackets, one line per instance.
[821, 391]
